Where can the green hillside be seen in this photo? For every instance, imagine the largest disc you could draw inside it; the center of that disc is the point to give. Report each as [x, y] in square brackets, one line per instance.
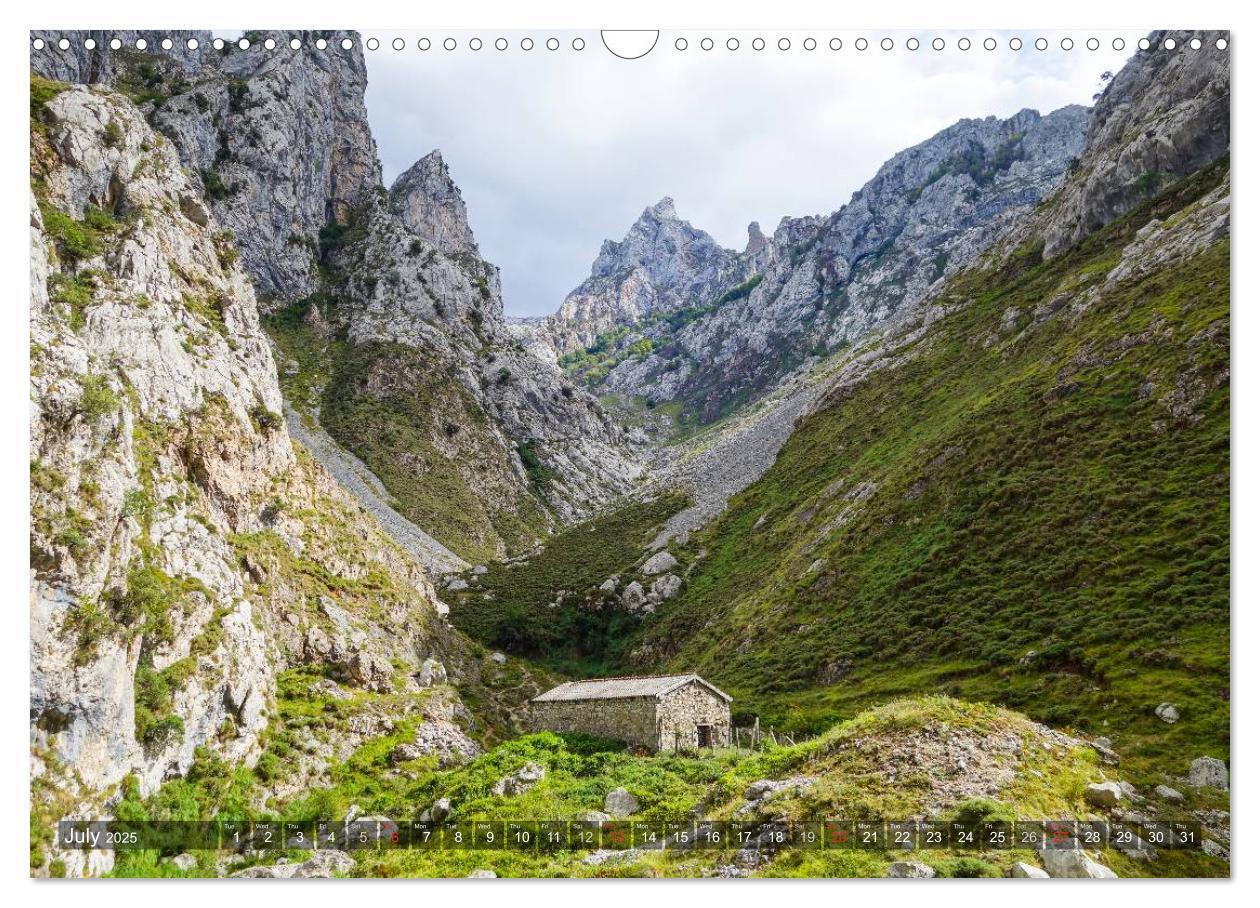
[874, 765]
[1032, 507]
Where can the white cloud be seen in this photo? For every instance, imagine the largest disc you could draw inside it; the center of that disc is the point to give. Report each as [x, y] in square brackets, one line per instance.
[557, 150]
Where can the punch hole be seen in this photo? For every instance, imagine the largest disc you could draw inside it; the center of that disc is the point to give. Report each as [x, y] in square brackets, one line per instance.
[630, 44]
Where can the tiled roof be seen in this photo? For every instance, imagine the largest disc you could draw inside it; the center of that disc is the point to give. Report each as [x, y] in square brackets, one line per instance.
[622, 688]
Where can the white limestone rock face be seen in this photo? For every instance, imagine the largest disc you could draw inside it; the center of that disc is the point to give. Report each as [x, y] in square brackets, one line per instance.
[442, 312]
[169, 332]
[662, 264]
[156, 445]
[1163, 116]
[742, 321]
[280, 137]
[427, 201]
[279, 140]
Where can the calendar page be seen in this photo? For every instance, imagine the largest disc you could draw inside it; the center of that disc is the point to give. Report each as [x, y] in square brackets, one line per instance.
[685, 453]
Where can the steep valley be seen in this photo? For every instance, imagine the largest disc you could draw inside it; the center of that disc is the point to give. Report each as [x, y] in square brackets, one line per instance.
[938, 484]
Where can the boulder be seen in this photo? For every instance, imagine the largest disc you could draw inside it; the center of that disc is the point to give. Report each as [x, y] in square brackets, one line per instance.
[659, 563]
[609, 585]
[440, 810]
[620, 803]
[593, 816]
[370, 670]
[1022, 871]
[457, 584]
[431, 672]
[1215, 849]
[666, 587]
[1071, 863]
[1209, 772]
[1167, 712]
[482, 875]
[498, 658]
[446, 741]
[327, 687]
[1103, 748]
[633, 597]
[910, 870]
[1169, 794]
[321, 865]
[403, 753]
[479, 569]
[1104, 794]
[184, 862]
[520, 781]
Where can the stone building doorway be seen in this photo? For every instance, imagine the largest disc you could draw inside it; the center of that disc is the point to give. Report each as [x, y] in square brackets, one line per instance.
[704, 735]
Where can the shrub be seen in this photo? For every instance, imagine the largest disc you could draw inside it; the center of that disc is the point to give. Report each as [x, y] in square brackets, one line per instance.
[112, 135]
[98, 398]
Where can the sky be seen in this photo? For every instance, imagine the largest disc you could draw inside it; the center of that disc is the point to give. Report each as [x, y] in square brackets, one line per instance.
[556, 151]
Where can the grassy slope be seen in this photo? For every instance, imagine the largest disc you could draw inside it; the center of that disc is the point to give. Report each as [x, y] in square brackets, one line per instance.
[418, 430]
[1085, 526]
[849, 764]
[581, 636]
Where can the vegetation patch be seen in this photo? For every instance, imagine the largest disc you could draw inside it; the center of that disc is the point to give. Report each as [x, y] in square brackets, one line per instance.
[587, 632]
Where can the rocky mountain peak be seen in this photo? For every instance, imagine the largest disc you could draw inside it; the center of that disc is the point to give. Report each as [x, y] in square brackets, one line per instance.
[663, 210]
[756, 239]
[426, 199]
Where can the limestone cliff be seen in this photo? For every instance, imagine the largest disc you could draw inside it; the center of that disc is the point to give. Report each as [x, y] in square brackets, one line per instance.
[279, 138]
[183, 552]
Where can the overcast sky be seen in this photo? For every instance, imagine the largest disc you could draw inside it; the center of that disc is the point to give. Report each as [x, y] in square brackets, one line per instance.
[555, 151]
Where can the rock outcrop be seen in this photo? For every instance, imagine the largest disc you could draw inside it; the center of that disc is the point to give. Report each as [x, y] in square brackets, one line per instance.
[1164, 115]
[428, 202]
[279, 138]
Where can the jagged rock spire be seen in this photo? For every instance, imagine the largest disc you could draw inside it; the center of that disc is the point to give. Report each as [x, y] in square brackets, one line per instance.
[426, 199]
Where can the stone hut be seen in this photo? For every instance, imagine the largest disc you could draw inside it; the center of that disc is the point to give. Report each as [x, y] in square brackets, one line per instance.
[666, 712]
